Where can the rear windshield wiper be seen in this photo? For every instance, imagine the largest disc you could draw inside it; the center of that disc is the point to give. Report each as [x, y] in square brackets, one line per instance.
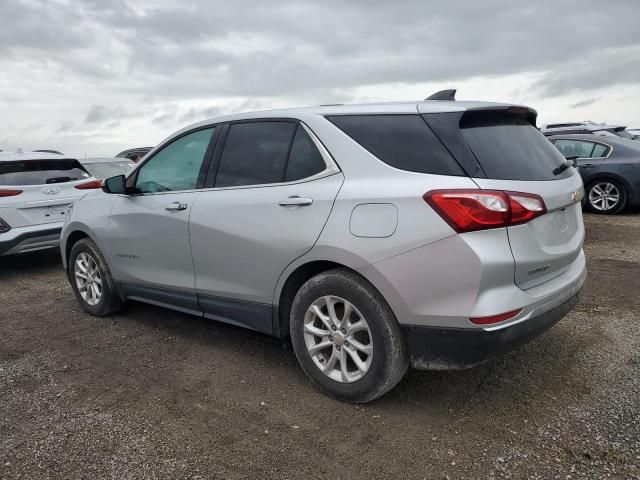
[571, 162]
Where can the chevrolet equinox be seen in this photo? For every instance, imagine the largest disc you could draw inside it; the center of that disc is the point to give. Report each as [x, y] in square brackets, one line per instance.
[433, 234]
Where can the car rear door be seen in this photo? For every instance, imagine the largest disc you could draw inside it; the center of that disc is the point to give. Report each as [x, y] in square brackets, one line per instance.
[271, 191]
[590, 155]
[512, 155]
[149, 228]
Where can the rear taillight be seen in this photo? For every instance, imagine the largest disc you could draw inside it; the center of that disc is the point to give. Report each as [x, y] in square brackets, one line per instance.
[9, 193]
[90, 185]
[471, 210]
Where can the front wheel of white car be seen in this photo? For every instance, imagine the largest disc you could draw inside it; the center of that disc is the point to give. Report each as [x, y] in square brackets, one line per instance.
[91, 279]
[346, 337]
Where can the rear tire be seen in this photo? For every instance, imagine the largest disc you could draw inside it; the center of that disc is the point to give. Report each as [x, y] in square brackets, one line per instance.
[346, 337]
[91, 280]
[606, 196]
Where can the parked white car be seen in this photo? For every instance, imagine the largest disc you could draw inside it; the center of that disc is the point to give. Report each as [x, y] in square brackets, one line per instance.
[35, 190]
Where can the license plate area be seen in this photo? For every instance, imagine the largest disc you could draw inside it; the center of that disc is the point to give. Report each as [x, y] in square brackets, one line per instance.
[48, 214]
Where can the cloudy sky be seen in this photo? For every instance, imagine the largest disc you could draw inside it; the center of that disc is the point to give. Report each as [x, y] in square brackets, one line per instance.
[92, 77]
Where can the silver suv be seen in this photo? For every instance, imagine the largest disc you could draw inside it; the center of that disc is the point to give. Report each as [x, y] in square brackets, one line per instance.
[432, 234]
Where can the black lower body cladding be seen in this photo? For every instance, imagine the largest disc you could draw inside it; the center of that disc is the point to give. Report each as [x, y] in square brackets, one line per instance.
[455, 349]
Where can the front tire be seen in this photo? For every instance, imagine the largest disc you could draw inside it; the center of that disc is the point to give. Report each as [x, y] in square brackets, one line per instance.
[606, 196]
[91, 280]
[346, 337]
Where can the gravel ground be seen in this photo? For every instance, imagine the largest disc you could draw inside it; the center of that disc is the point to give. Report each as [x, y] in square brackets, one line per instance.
[154, 394]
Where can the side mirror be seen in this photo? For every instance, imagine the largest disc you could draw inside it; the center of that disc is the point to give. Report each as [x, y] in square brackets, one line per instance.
[115, 184]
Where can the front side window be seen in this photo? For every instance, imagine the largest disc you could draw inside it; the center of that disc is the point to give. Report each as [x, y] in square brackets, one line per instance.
[177, 166]
[255, 153]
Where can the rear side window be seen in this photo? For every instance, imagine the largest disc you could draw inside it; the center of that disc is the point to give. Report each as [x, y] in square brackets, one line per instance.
[508, 147]
[304, 159]
[402, 141]
[600, 151]
[41, 172]
[255, 153]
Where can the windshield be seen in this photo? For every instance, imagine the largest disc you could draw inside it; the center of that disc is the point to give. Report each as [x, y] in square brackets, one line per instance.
[41, 172]
[109, 169]
[510, 148]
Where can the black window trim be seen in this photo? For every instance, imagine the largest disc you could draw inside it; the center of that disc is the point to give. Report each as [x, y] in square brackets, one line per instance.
[133, 176]
[331, 167]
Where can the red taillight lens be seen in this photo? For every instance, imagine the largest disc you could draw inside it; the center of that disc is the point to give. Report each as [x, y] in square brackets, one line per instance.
[495, 318]
[9, 193]
[90, 185]
[471, 210]
[525, 207]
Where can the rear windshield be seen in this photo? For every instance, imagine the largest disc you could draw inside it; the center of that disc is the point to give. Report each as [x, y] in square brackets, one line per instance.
[109, 169]
[508, 147]
[41, 172]
[624, 134]
[402, 141]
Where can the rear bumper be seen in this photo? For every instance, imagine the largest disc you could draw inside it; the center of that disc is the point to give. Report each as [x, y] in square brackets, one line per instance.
[433, 348]
[30, 239]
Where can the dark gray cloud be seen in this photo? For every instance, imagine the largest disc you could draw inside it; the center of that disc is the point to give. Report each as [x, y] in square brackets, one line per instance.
[164, 47]
[584, 103]
[173, 61]
[101, 113]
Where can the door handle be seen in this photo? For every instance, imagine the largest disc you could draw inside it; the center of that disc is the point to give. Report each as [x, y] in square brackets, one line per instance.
[176, 206]
[295, 201]
[588, 165]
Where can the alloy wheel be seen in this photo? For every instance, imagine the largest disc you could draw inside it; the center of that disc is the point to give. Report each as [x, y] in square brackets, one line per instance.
[88, 278]
[338, 339]
[604, 196]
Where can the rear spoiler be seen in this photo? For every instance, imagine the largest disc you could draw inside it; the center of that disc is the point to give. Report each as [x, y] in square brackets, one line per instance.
[475, 114]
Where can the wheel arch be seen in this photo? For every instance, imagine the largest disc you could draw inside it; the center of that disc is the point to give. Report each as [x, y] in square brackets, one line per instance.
[304, 268]
[606, 175]
[612, 176]
[70, 240]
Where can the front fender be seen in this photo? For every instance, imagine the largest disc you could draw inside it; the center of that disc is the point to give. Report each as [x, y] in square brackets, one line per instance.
[91, 217]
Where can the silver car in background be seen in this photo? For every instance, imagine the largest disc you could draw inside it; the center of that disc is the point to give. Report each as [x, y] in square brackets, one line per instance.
[433, 234]
[35, 190]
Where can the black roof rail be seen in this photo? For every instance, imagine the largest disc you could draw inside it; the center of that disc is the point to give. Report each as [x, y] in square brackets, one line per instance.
[443, 95]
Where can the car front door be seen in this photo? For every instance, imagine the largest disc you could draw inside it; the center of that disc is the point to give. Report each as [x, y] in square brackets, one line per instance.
[274, 189]
[149, 228]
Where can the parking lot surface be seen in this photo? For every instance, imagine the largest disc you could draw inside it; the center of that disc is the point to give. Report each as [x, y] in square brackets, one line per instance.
[154, 394]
